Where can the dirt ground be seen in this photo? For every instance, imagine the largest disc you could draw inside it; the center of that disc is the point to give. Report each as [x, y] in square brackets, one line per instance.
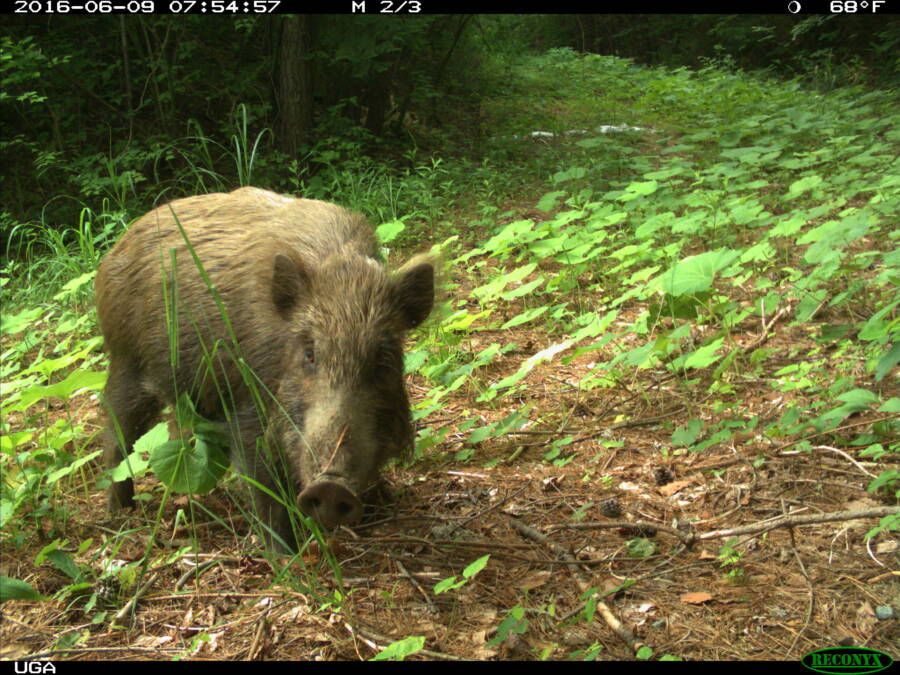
[626, 514]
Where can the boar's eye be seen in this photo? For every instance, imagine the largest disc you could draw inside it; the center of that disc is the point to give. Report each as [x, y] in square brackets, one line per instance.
[309, 354]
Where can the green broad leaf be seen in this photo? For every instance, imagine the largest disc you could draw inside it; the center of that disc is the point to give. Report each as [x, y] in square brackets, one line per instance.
[480, 434]
[746, 213]
[679, 306]
[691, 223]
[412, 361]
[74, 466]
[876, 451]
[878, 325]
[47, 367]
[599, 344]
[136, 464]
[640, 548]
[548, 202]
[76, 283]
[569, 174]
[489, 291]
[829, 239]
[11, 324]
[525, 368]
[590, 143]
[10, 441]
[13, 589]
[854, 401]
[639, 189]
[645, 653]
[493, 289]
[639, 356]
[448, 584]
[705, 356]
[759, 252]
[884, 479]
[891, 405]
[642, 275]
[459, 261]
[475, 567]
[861, 398]
[515, 420]
[687, 435]
[387, 232]
[664, 174]
[787, 228]
[805, 184]
[524, 289]
[594, 327]
[631, 251]
[399, 650]
[155, 437]
[548, 246]
[525, 317]
[64, 563]
[563, 218]
[54, 545]
[887, 362]
[458, 382]
[580, 254]
[513, 234]
[514, 623]
[808, 304]
[76, 381]
[696, 273]
[211, 433]
[463, 320]
[188, 470]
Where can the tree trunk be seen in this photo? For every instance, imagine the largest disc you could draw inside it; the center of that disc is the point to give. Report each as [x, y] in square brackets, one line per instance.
[293, 93]
[377, 99]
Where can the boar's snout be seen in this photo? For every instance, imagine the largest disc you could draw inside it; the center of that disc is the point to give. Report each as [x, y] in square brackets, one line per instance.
[330, 504]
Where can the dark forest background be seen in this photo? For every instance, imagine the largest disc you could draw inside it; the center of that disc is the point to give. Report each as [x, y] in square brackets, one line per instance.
[125, 110]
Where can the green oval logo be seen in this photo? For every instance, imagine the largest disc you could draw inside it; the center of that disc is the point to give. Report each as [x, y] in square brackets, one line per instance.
[842, 660]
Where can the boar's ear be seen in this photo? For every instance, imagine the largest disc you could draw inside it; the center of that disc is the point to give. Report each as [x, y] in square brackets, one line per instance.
[415, 290]
[289, 282]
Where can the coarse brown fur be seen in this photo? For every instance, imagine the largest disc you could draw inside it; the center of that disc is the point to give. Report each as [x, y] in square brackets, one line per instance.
[308, 306]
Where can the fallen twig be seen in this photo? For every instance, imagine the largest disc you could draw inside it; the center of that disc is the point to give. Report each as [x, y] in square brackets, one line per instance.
[795, 520]
[686, 538]
[256, 646]
[416, 585]
[371, 638]
[129, 606]
[622, 631]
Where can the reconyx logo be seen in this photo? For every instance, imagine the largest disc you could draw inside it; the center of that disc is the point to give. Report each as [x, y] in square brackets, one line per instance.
[856, 660]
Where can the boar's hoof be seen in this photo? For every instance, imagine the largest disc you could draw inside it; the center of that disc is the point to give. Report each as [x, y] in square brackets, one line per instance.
[330, 504]
[121, 496]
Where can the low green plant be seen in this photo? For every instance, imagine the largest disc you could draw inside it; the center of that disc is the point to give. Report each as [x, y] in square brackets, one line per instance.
[469, 573]
[399, 650]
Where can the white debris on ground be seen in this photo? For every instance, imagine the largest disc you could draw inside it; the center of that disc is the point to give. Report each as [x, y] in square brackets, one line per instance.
[603, 129]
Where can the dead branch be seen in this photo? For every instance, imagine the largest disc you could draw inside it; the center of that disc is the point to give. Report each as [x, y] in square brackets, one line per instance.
[622, 631]
[686, 538]
[794, 521]
[371, 638]
[129, 606]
